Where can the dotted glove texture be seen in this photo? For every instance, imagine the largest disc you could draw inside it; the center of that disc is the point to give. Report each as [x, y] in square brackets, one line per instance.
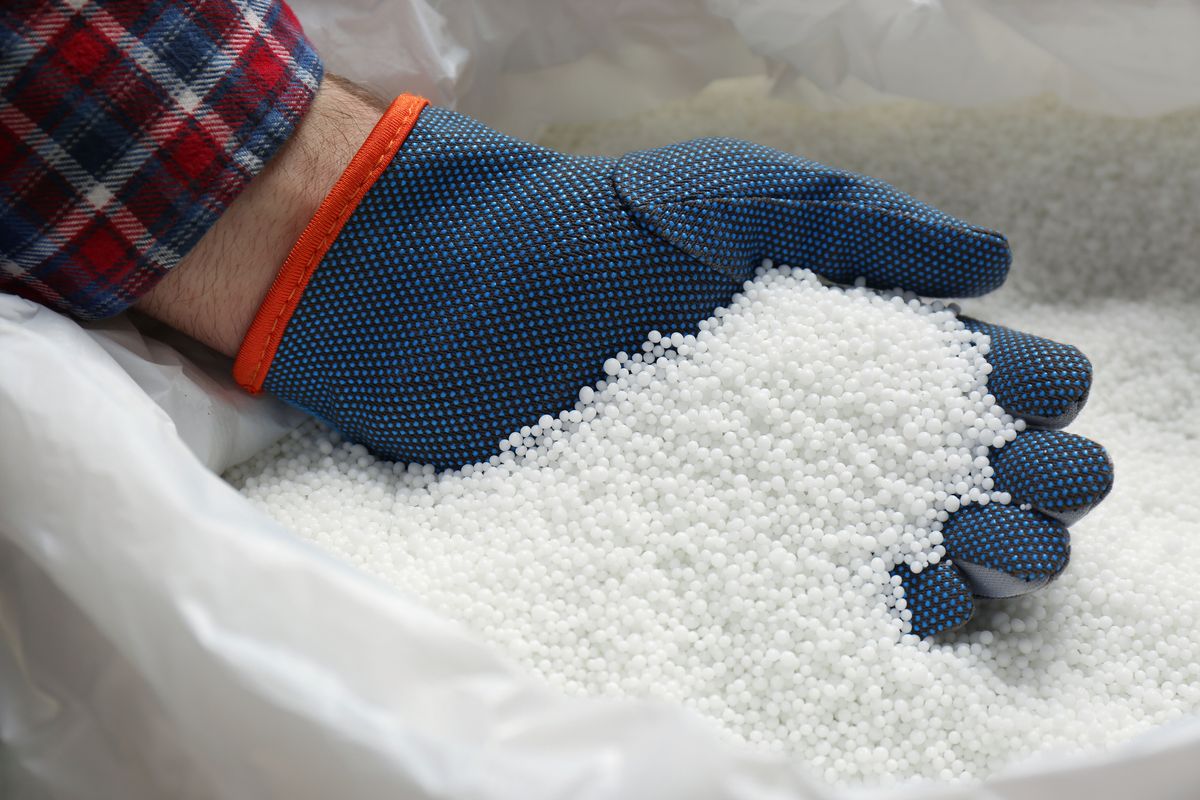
[1053, 477]
[482, 280]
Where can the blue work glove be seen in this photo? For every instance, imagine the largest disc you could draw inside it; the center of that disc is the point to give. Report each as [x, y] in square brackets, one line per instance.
[458, 284]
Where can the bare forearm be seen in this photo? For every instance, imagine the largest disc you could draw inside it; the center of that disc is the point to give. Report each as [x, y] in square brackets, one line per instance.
[214, 292]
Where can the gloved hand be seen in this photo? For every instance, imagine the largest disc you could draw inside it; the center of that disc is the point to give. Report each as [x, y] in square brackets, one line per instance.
[457, 284]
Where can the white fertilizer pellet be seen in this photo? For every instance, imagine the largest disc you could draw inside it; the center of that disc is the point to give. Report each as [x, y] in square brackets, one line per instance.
[715, 523]
[676, 536]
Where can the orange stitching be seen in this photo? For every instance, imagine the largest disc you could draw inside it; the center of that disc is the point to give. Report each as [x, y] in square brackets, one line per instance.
[403, 129]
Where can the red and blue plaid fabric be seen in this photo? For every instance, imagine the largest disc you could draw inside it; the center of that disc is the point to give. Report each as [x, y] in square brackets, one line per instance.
[126, 128]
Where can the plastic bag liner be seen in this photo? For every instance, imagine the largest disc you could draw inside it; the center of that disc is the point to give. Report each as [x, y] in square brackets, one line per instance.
[159, 637]
[518, 64]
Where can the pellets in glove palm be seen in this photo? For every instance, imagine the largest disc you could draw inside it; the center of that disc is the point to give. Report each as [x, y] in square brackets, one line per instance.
[458, 284]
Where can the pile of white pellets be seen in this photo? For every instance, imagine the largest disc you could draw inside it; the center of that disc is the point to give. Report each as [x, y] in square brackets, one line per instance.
[714, 523]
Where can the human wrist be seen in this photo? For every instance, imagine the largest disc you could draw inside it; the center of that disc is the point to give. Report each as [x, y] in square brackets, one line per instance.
[216, 289]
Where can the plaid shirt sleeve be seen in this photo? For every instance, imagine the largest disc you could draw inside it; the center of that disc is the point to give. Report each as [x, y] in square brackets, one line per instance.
[126, 128]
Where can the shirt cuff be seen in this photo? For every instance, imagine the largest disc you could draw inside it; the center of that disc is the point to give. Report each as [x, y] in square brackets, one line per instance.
[127, 129]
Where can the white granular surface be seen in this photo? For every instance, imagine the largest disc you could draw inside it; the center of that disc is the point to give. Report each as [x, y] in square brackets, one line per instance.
[1101, 215]
[714, 524]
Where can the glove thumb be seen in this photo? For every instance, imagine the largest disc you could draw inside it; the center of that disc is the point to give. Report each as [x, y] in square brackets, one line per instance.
[730, 204]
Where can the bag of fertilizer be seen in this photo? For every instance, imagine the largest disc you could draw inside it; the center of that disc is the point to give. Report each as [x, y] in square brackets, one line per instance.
[164, 636]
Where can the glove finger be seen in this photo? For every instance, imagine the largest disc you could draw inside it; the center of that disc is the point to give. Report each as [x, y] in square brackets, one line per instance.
[1062, 475]
[1041, 381]
[1004, 550]
[937, 597]
[730, 204]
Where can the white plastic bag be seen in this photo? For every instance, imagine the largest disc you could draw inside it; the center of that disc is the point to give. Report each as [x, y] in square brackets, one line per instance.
[161, 638]
[519, 64]
[1108, 56]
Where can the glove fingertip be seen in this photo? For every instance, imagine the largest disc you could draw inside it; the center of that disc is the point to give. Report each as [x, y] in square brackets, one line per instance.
[1022, 543]
[937, 597]
[1061, 474]
[1043, 382]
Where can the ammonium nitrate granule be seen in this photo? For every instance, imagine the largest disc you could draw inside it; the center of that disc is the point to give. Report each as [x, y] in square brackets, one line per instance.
[715, 523]
[619, 577]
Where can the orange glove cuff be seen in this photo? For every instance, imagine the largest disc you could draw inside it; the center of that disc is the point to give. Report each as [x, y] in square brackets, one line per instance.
[258, 347]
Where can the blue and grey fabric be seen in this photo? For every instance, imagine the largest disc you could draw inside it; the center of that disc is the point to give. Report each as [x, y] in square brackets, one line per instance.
[482, 280]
